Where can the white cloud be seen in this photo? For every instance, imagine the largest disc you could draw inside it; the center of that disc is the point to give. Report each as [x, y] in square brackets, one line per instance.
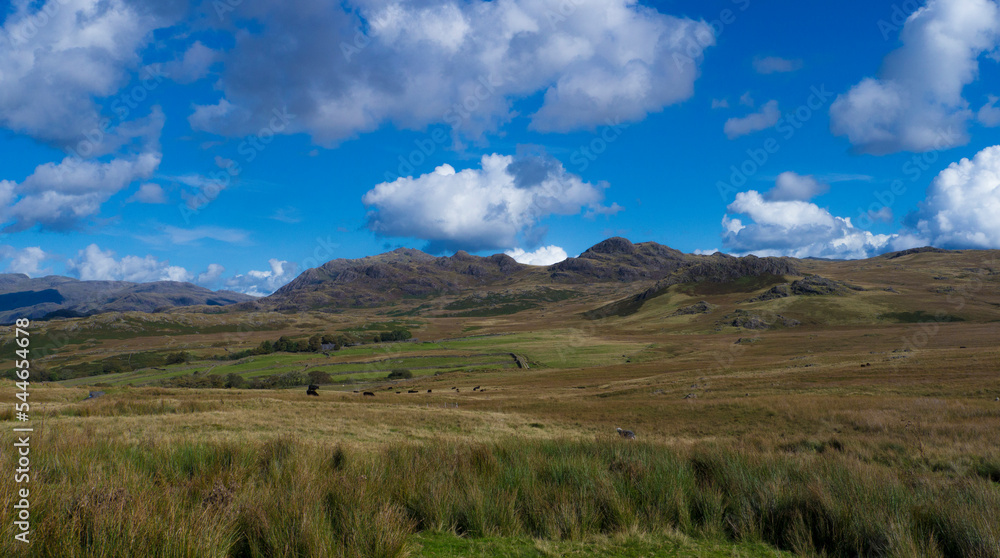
[883, 214]
[194, 65]
[962, 207]
[58, 56]
[485, 208]
[763, 119]
[791, 186]
[709, 252]
[59, 196]
[546, 255]
[211, 275]
[94, 264]
[959, 211]
[916, 103]
[463, 64]
[989, 114]
[746, 99]
[263, 283]
[720, 103]
[795, 228]
[774, 64]
[27, 260]
[149, 193]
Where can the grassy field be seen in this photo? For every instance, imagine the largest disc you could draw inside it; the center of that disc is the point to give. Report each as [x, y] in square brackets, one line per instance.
[868, 429]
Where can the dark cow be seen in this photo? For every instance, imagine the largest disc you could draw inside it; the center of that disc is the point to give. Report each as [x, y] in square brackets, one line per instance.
[312, 390]
[368, 394]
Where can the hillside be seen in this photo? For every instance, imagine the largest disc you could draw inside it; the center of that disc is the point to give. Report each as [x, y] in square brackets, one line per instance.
[57, 296]
[411, 278]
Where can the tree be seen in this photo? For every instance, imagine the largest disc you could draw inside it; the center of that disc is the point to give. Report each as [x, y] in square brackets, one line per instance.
[112, 367]
[315, 343]
[236, 381]
[282, 344]
[319, 377]
[265, 348]
[179, 357]
[400, 374]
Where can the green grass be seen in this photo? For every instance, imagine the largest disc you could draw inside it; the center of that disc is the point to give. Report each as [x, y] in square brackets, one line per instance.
[747, 284]
[445, 545]
[515, 497]
[499, 304]
[920, 316]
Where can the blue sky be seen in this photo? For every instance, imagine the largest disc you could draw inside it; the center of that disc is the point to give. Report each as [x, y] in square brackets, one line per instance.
[235, 143]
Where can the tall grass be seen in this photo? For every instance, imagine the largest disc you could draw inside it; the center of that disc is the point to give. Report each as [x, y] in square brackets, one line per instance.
[287, 497]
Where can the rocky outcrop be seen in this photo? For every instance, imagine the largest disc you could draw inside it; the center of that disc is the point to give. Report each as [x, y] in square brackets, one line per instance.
[811, 285]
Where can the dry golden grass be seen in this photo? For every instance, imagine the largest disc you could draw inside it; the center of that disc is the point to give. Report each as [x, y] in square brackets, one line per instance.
[850, 434]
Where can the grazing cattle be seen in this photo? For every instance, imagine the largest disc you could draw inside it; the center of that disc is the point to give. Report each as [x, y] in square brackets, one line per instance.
[428, 391]
[627, 434]
[412, 391]
[312, 390]
[368, 394]
[475, 388]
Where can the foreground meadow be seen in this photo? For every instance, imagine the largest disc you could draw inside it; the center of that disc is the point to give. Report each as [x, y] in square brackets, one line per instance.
[832, 459]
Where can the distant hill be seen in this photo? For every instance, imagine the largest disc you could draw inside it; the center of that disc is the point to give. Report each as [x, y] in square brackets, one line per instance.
[56, 296]
[409, 275]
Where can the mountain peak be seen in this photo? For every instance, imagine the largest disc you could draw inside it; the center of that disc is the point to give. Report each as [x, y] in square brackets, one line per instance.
[611, 246]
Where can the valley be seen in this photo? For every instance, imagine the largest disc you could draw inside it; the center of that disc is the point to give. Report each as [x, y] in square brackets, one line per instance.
[781, 406]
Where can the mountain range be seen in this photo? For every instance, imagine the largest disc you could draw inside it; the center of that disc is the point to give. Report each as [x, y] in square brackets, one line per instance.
[55, 296]
[613, 278]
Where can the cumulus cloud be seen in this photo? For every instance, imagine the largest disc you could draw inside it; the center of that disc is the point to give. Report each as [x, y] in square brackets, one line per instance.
[94, 264]
[479, 209]
[962, 205]
[989, 114]
[883, 214]
[795, 228]
[347, 70]
[763, 119]
[211, 275]
[791, 186]
[193, 65]
[59, 196]
[916, 103]
[546, 255]
[27, 260]
[959, 211]
[149, 193]
[774, 64]
[265, 282]
[57, 57]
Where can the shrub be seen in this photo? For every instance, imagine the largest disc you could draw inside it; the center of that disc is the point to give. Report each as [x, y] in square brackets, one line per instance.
[319, 377]
[400, 374]
[179, 357]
